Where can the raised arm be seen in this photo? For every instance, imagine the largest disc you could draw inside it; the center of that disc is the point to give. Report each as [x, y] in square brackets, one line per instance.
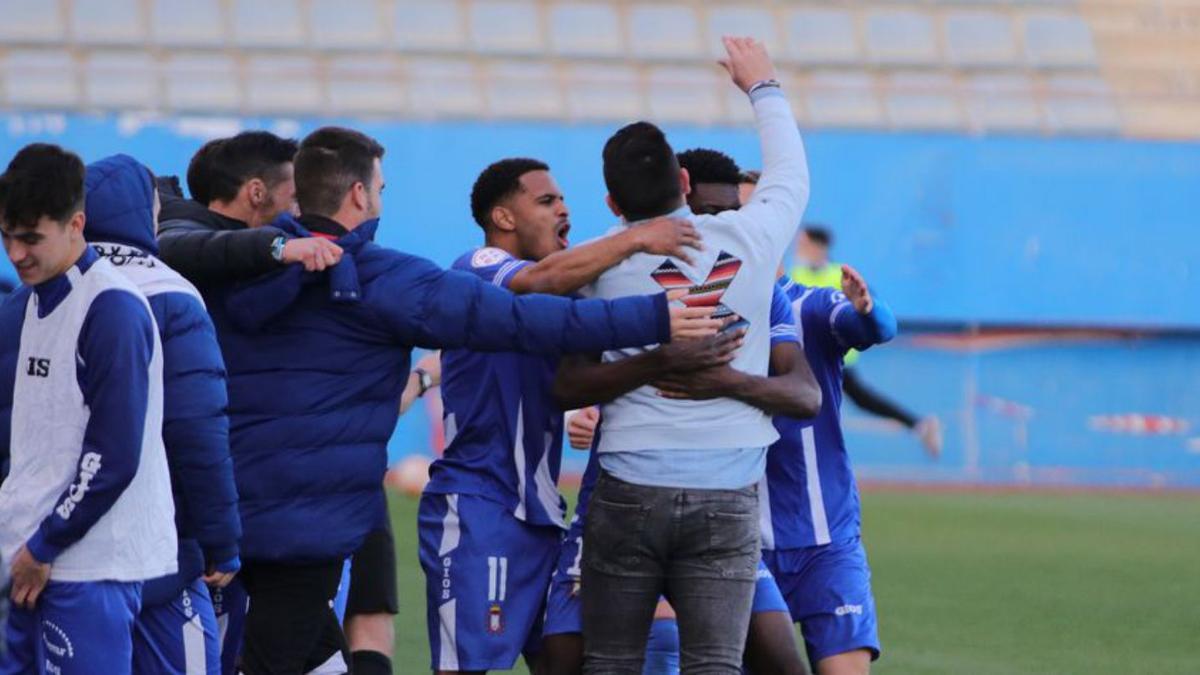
[778, 203]
[567, 271]
[863, 321]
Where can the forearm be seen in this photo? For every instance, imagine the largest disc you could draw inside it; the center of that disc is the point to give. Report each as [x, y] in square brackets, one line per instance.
[585, 383]
[860, 331]
[567, 271]
[783, 190]
[787, 394]
[412, 391]
[206, 256]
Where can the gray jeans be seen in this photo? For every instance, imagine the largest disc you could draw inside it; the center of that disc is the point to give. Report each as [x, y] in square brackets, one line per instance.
[699, 548]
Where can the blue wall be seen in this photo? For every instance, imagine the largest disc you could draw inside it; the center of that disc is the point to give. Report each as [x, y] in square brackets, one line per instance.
[950, 228]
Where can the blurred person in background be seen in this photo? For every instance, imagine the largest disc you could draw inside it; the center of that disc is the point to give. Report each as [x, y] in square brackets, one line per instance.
[176, 630]
[86, 515]
[223, 233]
[814, 269]
[497, 480]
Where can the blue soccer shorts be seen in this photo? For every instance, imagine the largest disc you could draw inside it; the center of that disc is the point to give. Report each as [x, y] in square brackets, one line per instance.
[178, 637]
[828, 591]
[486, 575]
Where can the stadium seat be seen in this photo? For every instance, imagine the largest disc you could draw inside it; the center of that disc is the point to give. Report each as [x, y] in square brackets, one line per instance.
[900, 36]
[267, 23]
[429, 26]
[842, 99]
[603, 92]
[436, 88]
[523, 89]
[187, 23]
[201, 82]
[282, 84]
[1058, 40]
[922, 101]
[365, 85]
[30, 21]
[684, 94]
[980, 39]
[821, 36]
[738, 20]
[346, 24]
[1080, 105]
[120, 80]
[1001, 102]
[107, 22]
[35, 78]
[506, 28]
[585, 29]
[663, 31]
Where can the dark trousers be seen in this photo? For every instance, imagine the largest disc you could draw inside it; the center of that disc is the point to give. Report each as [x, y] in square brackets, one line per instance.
[699, 548]
[291, 627]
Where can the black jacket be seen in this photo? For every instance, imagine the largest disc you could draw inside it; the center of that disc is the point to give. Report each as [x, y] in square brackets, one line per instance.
[207, 247]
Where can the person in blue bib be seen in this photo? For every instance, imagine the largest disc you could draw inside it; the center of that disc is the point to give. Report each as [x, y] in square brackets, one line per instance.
[86, 515]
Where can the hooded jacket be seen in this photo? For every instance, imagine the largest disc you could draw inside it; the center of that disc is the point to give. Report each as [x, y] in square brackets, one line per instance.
[120, 227]
[317, 363]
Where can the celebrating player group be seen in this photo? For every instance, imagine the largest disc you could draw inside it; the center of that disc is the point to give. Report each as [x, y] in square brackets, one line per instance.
[196, 396]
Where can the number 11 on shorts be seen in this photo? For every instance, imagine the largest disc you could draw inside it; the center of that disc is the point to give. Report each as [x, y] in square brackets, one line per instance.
[497, 578]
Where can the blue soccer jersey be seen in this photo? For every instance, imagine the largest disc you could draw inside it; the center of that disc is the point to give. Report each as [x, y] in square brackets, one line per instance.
[503, 430]
[809, 496]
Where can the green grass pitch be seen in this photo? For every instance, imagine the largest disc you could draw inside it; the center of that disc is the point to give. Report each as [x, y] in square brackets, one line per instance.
[991, 583]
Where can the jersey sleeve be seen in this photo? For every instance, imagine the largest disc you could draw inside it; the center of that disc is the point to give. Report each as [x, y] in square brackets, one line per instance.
[493, 265]
[827, 315]
[783, 324]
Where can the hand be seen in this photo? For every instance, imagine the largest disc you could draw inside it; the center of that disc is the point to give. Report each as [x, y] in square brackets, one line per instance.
[29, 577]
[667, 236]
[581, 427]
[688, 355]
[314, 253]
[747, 62]
[219, 576]
[689, 323]
[855, 288]
[699, 385]
[432, 364]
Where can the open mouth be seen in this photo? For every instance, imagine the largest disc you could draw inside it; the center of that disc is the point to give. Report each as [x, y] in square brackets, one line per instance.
[562, 231]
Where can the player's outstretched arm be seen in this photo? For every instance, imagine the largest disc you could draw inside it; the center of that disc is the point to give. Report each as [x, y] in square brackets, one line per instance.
[863, 320]
[585, 381]
[782, 193]
[567, 271]
[433, 308]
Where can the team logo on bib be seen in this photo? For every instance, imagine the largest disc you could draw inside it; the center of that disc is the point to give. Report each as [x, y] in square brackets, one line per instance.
[488, 256]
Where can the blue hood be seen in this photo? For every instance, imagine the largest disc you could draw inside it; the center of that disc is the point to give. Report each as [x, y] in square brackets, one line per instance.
[120, 203]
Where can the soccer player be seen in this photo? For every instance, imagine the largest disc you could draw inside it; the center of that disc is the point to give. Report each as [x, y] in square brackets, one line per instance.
[333, 351]
[814, 270]
[704, 456]
[85, 512]
[771, 643]
[238, 186]
[176, 630]
[496, 485]
[811, 516]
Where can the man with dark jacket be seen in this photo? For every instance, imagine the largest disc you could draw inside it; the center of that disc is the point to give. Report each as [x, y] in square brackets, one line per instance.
[317, 363]
[238, 186]
[176, 629]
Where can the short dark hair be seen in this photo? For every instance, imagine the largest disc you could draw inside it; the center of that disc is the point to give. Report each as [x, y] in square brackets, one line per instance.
[641, 172]
[499, 181]
[222, 169]
[330, 161]
[710, 166]
[41, 180]
[819, 234]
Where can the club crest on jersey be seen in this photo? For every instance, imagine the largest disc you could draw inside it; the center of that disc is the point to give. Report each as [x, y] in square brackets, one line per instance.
[495, 621]
[710, 291]
[488, 256]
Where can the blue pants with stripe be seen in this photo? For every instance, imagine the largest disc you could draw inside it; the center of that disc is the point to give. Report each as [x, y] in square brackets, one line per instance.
[178, 637]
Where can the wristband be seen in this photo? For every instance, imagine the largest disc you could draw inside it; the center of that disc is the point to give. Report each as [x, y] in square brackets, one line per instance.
[762, 84]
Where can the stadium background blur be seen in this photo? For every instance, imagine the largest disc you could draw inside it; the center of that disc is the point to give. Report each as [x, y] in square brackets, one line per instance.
[1018, 178]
